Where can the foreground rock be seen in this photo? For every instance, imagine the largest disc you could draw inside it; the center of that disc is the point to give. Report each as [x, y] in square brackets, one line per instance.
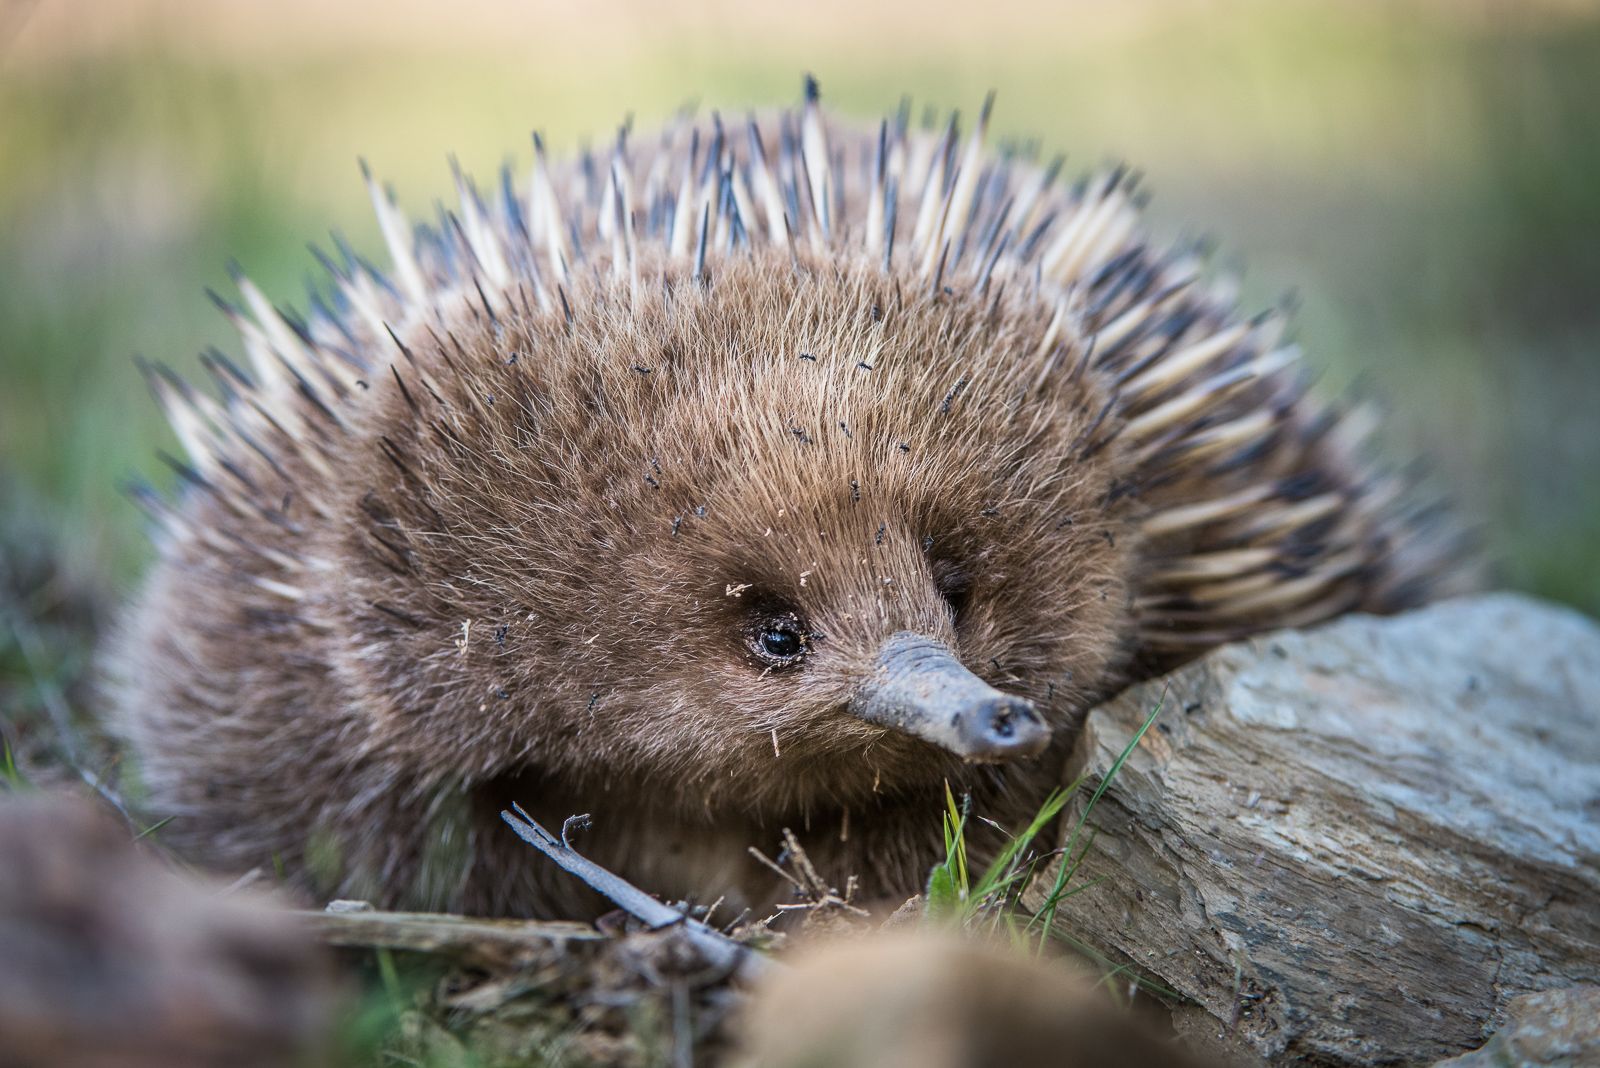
[928, 999]
[1355, 845]
[109, 959]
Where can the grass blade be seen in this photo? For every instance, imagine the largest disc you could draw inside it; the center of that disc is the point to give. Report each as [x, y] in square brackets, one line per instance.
[1045, 917]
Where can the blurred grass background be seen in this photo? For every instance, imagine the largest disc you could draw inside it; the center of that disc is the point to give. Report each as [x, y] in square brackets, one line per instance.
[1425, 175]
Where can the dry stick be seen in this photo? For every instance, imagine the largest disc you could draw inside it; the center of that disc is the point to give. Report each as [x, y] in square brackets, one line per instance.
[717, 948]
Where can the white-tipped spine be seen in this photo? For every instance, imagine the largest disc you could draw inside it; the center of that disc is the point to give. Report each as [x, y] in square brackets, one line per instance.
[397, 236]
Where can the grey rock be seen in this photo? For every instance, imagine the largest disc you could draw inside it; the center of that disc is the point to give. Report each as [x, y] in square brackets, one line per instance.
[1355, 844]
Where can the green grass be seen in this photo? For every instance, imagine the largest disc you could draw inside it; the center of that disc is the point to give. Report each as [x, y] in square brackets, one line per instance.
[1044, 918]
[954, 896]
[11, 777]
[990, 901]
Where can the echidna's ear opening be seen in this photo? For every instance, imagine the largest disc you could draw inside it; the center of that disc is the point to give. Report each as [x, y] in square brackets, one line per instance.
[920, 688]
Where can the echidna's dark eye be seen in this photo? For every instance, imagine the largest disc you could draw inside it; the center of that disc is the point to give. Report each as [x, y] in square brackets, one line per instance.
[779, 642]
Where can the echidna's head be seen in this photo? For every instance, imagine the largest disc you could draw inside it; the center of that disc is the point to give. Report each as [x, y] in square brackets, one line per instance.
[791, 538]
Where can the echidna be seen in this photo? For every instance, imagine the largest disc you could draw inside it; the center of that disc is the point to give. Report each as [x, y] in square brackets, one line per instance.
[740, 478]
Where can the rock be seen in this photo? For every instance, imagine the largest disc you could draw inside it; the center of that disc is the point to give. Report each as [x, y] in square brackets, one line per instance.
[1356, 844]
[924, 998]
[112, 959]
[1553, 1029]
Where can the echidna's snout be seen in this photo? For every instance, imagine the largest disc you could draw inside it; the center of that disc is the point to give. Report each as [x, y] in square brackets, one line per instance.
[919, 687]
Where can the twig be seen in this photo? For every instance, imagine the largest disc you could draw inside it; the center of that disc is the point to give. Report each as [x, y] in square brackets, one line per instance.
[775, 867]
[717, 948]
[807, 881]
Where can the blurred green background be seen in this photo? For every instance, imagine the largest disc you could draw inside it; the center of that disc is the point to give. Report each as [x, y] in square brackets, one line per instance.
[1426, 176]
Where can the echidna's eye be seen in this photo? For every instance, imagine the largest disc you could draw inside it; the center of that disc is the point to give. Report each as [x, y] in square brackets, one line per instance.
[779, 642]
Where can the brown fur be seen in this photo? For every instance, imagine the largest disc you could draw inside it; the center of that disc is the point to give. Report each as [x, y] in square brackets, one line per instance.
[516, 553]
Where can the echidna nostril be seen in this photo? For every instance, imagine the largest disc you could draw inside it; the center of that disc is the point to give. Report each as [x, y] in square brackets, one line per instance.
[1006, 726]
